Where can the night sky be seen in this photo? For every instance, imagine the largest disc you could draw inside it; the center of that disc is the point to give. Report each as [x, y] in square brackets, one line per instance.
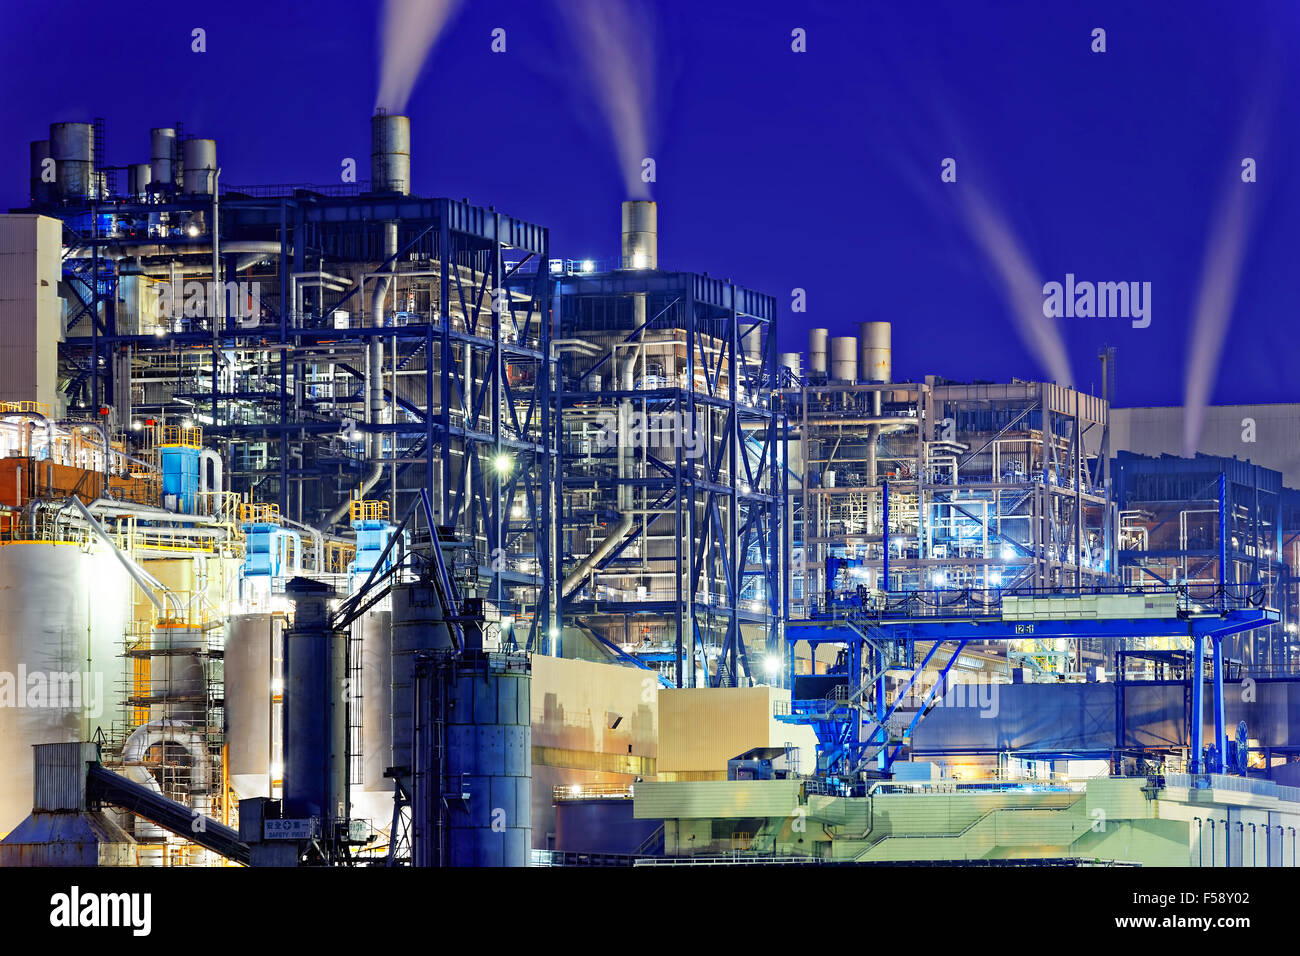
[781, 170]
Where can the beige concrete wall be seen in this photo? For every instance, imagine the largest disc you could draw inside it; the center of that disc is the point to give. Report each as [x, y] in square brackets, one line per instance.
[31, 311]
[702, 728]
[574, 704]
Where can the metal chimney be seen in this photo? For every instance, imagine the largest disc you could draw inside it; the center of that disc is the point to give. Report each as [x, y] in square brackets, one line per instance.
[640, 234]
[390, 154]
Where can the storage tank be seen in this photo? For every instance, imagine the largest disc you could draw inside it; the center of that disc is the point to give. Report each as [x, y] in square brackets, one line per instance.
[487, 709]
[417, 625]
[138, 178]
[372, 792]
[72, 147]
[817, 342]
[200, 159]
[248, 662]
[65, 616]
[390, 153]
[790, 360]
[844, 359]
[42, 193]
[315, 724]
[876, 363]
[640, 234]
[163, 165]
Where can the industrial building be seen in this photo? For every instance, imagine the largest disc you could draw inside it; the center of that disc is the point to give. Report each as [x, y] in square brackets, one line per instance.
[370, 530]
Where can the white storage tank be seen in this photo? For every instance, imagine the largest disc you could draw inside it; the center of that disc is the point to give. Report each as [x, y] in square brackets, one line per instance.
[72, 147]
[250, 640]
[844, 359]
[62, 675]
[877, 354]
[817, 344]
[200, 159]
[162, 156]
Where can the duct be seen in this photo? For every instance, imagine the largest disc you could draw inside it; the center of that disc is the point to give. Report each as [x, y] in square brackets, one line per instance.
[588, 564]
[49, 427]
[147, 582]
[318, 543]
[297, 551]
[217, 484]
[167, 731]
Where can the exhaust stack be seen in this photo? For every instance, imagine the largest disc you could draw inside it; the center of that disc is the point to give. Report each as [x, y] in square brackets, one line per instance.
[390, 154]
[640, 234]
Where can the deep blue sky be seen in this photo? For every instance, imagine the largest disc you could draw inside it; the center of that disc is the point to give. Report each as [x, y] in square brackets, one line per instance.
[780, 170]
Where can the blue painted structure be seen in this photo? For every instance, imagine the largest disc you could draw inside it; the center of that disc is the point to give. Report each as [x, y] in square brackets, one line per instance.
[180, 473]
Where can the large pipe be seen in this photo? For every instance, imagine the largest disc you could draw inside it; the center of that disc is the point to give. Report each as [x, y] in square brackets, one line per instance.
[218, 485]
[588, 564]
[167, 731]
[640, 234]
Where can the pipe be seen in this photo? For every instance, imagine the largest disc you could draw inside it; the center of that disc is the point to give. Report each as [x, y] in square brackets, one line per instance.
[147, 582]
[218, 485]
[318, 542]
[174, 732]
[587, 564]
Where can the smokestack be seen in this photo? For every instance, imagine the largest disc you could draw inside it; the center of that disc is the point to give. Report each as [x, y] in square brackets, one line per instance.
[390, 153]
[640, 234]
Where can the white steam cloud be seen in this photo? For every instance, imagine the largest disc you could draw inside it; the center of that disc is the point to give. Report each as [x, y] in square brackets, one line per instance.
[1021, 284]
[615, 40]
[410, 29]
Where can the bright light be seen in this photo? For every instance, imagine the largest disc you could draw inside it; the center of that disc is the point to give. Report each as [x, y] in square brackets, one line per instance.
[193, 230]
[136, 426]
[277, 686]
[557, 266]
[638, 260]
[507, 624]
[1008, 553]
[588, 265]
[188, 423]
[772, 664]
[940, 577]
[503, 463]
[160, 331]
[995, 578]
[277, 771]
[554, 632]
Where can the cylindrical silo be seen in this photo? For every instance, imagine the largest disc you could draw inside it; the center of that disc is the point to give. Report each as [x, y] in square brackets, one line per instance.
[163, 164]
[487, 714]
[790, 360]
[417, 626]
[200, 159]
[72, 147]
[817, 347]
[65, 617]
[390, 153]
[315, 719]
[372, 794]
[178, 677]
[844, 359]
[42, 189]
[138, 178]
[248, 681]
[876, 363]
[640, 234]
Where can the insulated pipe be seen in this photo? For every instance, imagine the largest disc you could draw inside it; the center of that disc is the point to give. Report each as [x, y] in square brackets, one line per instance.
[587, 564]
[217, 484]
[166, 731]
[147, 582]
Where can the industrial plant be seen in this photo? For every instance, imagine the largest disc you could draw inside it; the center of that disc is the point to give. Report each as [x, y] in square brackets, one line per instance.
[346, 526]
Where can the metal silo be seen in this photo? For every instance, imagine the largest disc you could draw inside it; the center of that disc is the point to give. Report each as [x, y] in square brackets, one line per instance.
[65, 616]
[72, 147]
[315, 725]
[248, 662]
[417, 627]
[178, 676]
[817, 341]
[844, 359]
[372, 792]
[390, 153]
[876, 363]
[163, 164]
[138, 178]
[486, 701]
[42, 192]
[200, 159]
